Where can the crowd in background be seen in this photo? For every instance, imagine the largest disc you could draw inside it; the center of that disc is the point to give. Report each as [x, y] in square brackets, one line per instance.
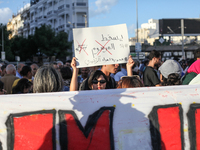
[59, 76]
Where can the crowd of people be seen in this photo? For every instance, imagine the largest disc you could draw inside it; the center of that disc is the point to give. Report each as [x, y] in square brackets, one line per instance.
[59, 76]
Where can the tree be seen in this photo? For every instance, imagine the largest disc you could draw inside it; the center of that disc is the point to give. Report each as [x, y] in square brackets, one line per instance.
[44, 39]
[62, 46]
[51, 44]
[45, 42]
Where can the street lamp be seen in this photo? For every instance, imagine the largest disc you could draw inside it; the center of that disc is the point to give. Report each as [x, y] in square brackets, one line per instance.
[137, 18]
[85, 16]
[137, 28]
[70, 38]
[182, 34]
[2, 40]
[2, 52]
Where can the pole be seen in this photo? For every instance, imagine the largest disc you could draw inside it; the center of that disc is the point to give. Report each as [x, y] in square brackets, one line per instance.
[182, 33]
[85, 16]
[137, 18]
[2, 52]
[137, 25]
[2, 40]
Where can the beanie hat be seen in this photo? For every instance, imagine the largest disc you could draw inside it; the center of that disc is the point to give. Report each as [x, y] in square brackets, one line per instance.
[169, 67]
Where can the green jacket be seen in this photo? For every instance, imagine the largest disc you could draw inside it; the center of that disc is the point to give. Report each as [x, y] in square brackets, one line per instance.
[188, 77]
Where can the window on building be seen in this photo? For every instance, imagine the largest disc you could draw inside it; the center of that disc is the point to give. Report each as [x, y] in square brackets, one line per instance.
[80, 18]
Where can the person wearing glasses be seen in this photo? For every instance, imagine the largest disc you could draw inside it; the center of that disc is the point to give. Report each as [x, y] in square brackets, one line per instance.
[96, 81]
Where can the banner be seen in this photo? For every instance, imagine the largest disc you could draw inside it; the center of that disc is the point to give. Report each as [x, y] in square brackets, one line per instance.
[120, 119]
[101, 45]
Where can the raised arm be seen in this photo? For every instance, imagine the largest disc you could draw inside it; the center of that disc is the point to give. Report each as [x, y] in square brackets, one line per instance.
[129, 66]
[74, 80]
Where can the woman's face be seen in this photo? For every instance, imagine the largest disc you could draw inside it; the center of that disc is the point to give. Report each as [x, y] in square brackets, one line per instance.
[99, 84]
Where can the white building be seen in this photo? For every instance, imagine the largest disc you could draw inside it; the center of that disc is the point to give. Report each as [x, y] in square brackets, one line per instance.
[61, 15]
[149, 32]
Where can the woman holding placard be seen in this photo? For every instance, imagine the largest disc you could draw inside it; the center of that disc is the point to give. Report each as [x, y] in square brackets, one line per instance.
[96, 81]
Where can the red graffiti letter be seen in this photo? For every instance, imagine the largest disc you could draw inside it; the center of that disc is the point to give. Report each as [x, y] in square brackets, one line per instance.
[31, 130]
[166, 127]
[97, 133]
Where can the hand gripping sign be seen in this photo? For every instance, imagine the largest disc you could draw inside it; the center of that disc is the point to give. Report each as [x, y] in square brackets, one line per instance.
[101, 45]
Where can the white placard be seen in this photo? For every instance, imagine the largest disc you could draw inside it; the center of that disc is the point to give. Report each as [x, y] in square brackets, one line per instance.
[130, 118]
[101, 45]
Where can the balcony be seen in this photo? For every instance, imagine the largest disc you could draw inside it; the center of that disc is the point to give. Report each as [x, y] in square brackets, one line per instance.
[41, 6]
[80, 4]
[51, 15]
[33, 9]
[26, 26]
[80, 25]
[49, 1]
[63, 9]
[80, 7]
[53, 1]
[33, 23]
[61, 28]
[20, 30]
[41, 20]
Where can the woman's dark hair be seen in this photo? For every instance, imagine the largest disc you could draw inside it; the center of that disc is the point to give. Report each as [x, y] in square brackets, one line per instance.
[94, 76]
[173, 79]
[66, 73]
[21, 85]
[130, 82]
[1, 85]
[25, 70]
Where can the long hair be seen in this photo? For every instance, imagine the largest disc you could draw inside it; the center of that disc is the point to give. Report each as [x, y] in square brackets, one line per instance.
[173, 79]
[47, 79]
[95, 75]
[21, 85]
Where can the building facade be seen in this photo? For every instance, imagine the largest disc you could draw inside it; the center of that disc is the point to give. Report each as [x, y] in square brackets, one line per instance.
[14, 25]
[61, 15]
[17, 25]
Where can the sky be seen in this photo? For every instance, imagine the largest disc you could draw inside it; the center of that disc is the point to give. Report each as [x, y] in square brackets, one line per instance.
[113, 12]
